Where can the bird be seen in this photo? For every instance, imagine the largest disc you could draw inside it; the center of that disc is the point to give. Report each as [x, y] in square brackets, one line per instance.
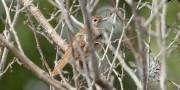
[97, 36]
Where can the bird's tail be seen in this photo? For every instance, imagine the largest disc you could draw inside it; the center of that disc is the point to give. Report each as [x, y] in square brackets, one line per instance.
[60, 66]
[62, 63]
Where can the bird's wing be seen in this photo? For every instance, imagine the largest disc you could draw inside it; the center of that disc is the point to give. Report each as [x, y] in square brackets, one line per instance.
[81, 41]
[66, 57]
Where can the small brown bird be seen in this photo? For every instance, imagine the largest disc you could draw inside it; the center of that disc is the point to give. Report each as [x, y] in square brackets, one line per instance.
[81, 39]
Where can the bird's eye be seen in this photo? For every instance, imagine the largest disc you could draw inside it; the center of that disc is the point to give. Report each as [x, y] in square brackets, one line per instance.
[95, 20]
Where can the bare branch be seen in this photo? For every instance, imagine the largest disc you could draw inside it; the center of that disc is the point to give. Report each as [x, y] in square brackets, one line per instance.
[34, 68]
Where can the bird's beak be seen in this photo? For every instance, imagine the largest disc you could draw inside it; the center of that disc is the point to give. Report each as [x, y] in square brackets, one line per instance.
[104, 19]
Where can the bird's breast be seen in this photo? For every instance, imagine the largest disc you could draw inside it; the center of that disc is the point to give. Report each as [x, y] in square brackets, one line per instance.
[98, 43]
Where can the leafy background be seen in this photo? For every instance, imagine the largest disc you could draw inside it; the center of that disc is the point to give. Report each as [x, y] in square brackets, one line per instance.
[20, 78]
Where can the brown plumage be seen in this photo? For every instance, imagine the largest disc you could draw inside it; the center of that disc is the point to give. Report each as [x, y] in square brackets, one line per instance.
[81, 39]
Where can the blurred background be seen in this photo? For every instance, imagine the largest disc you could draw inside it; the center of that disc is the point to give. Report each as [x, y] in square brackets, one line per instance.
[20, 78]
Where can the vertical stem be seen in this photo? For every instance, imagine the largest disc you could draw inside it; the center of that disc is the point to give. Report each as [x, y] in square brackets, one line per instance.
[163, 49]
[141, 44]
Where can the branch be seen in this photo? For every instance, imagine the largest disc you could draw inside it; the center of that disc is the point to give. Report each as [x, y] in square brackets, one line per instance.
[163, 48]
[34, 68]
[94, 66]
[45, 24]
[139, 26]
